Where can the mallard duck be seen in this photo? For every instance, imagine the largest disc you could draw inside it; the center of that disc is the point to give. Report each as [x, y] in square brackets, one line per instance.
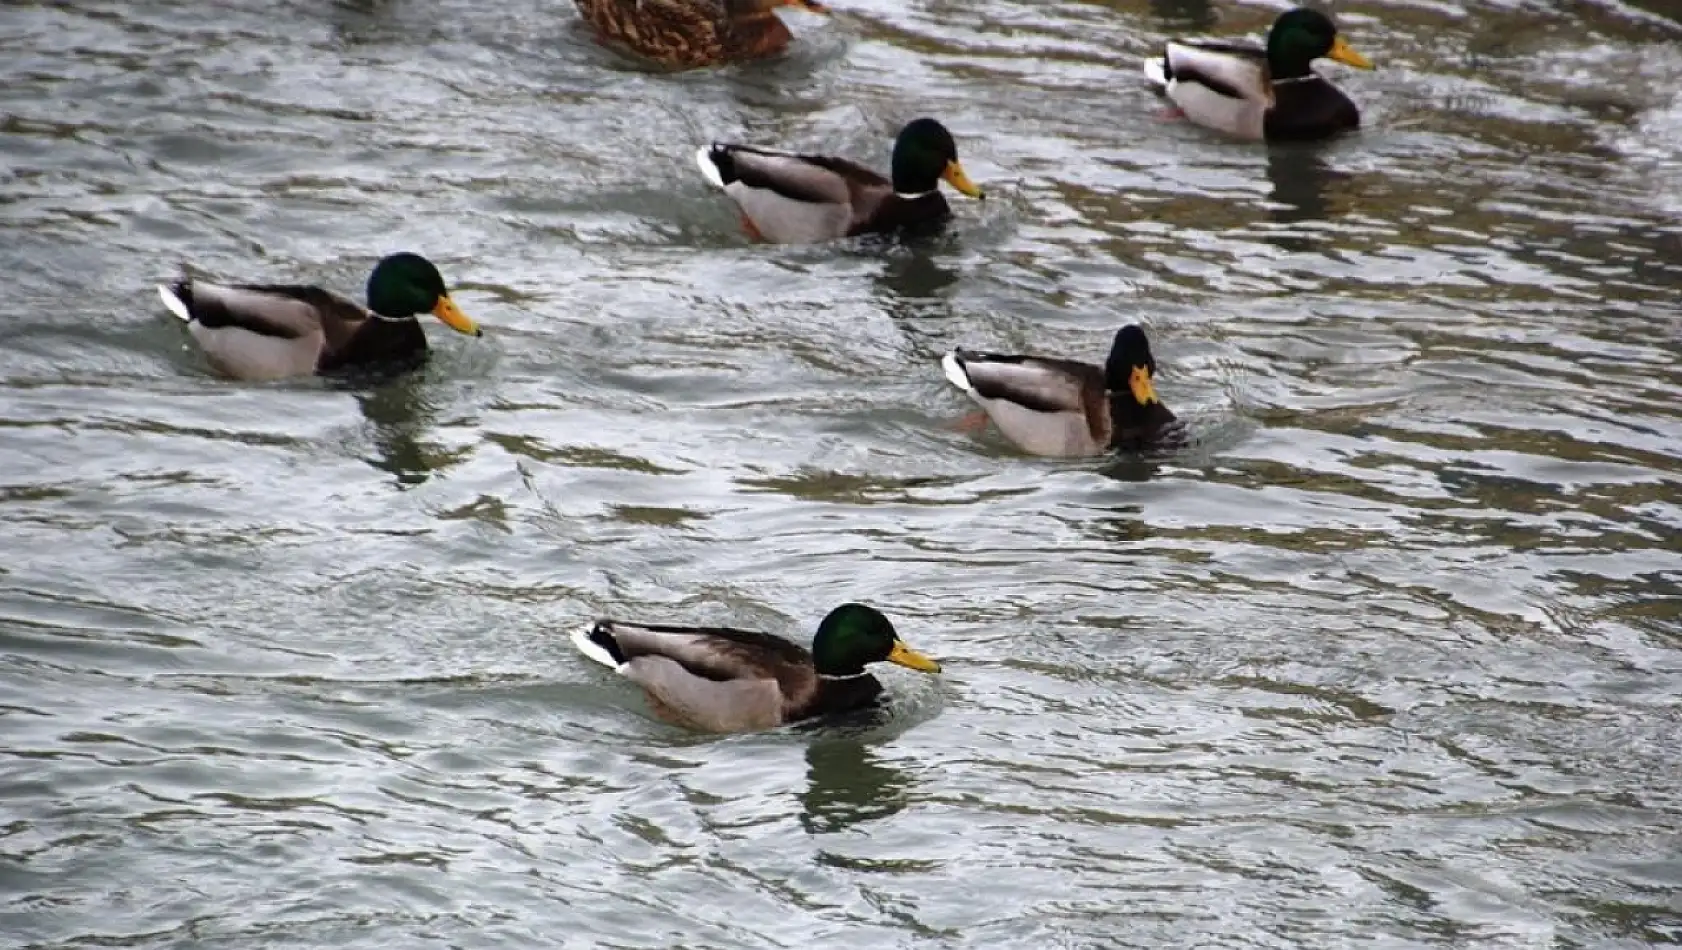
[719, 679]
[686, 34]
[1270, 94]
[1065, 408]
[789, 198]
[273, 331]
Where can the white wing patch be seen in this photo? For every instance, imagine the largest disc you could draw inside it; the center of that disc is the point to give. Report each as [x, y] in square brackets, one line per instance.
[1156, 73]
[954, 369]
[174, 303]
[588, 647]
[709, 171]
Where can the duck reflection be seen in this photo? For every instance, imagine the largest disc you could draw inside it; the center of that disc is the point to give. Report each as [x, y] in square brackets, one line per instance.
[848, 784]
[1303, 190]
[914, 276]
[1130, 469]
[1117, 527]
[398, 414]
[913, 285]
[1189, 15]
[1301, 181]
[362, 22]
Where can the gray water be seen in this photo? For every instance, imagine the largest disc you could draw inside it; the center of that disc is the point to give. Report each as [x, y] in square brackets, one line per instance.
[1390, 658]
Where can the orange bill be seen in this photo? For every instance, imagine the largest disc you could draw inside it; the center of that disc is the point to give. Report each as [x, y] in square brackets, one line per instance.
[1140, 383]
[954, 175]
[446, 310]
[1344, 53]
[911, 659]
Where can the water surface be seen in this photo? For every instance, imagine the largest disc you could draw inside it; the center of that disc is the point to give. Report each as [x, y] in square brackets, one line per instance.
[1389, 658]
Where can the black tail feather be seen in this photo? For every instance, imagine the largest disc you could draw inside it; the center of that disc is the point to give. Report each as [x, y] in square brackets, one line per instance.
[724, 161]
[602, 635]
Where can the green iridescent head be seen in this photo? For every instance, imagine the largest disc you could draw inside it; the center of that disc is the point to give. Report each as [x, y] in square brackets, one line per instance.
[853, 635]
[925, 154]
[1301, 36]
[408, 285]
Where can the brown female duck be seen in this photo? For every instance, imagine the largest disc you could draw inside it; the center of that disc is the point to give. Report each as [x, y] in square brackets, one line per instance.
[687, 34]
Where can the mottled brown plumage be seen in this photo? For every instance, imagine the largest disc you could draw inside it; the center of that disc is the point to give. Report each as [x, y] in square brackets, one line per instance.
[687, 34]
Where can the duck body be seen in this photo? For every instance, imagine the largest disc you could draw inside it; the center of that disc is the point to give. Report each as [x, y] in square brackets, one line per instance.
[689, 34]
[1261, 93]
[1066, 408]
[789, 198]
[721, 679]
[261, 332]
[792, 198]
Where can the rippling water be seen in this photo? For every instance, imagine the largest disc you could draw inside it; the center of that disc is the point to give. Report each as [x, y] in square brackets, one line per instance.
[1391, 657]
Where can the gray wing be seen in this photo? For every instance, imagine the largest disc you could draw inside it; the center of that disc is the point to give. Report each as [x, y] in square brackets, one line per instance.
[732, 705]
[277, 311]
[718, 653]
[1232, 70]
[1046, 406]
[787, 221]
[792, 198]
[260, 333]
[1037, 383]
[811, 178]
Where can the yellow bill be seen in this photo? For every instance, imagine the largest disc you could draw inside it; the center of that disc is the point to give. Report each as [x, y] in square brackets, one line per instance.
[954, 176]
[1140, 383]
[911, 659]
[446, 310]
[1345, 54]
